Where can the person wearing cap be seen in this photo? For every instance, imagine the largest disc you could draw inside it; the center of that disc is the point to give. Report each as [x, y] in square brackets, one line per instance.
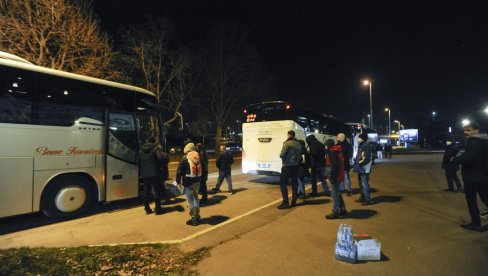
[474, 172]
[335, 161]
[290, 156]
[347, 152]
[450, 168]
[189, 173]
[362, 165]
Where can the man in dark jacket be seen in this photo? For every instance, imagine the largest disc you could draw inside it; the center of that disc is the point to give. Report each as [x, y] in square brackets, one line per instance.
[450, 168]
[347, 152]
[317, 164]
[149, 160]
[290, 156]
[474, 171]
[224, 162]
[362, 165]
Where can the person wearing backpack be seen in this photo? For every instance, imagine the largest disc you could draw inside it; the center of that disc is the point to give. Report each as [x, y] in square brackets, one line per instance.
[149, 161]
[335, 161]
[188, 173]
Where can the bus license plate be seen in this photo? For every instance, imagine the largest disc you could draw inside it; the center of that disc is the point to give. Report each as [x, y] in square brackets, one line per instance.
[264, 165]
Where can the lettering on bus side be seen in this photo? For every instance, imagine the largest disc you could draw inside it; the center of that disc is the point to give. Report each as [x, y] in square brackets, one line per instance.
[264, 139]
[70, 151]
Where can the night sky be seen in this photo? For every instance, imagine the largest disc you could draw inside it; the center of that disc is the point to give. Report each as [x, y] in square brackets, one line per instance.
[421, 57]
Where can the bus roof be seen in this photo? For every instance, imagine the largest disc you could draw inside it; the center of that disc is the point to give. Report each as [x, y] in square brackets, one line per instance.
[18, 62]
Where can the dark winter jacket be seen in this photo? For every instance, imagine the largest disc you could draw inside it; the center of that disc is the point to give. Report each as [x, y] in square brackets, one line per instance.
[291, 152]
[474, 160]
[304, 170]
[347, 151]
[149, 160]
[335, 159]
[451, 151]
[225, 161]
[317, 152]
[183, 171]
[204, 162]
[363, 161]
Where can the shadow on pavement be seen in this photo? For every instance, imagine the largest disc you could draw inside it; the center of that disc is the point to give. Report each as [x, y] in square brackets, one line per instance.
[177, 208]
[383, 258]
[314, 201]
[214, 220]
[381, 199]
[361, 214]
[213, 200]
[274, 180]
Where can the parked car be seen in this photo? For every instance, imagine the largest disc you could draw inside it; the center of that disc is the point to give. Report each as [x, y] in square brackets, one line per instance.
[233, 146]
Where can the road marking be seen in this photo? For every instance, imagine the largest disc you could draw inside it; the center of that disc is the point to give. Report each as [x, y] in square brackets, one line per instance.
[199, 233]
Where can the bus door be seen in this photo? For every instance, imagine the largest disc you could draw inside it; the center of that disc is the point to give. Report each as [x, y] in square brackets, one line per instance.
[121, 170]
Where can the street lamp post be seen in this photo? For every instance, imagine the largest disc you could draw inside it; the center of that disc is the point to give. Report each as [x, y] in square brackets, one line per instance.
[370, 83]
[389, 121]
[399, 124]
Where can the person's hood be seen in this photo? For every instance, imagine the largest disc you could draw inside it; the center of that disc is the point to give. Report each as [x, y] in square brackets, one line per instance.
[189, 147]
[483, 136]
[147, 147]
[310, 138]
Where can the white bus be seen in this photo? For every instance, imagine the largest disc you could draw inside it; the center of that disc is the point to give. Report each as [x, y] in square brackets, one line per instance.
[265, 129]
[67, 140]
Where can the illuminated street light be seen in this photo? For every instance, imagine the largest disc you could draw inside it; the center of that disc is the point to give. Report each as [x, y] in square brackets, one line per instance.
[486, 110]
[369, 119]
[370, 83]
[433, 115]
[399, 124]
[466, 122]
[389, 120]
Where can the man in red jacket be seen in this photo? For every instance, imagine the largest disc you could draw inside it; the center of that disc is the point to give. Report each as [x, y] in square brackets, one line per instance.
[335, 161]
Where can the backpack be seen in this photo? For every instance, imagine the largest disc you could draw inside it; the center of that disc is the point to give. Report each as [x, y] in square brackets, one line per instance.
[194, 162]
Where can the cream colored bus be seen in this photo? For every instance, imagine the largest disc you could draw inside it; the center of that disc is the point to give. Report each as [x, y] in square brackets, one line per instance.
[68, 141]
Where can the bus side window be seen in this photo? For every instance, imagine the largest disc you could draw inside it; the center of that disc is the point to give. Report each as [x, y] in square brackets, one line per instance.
[16, 95]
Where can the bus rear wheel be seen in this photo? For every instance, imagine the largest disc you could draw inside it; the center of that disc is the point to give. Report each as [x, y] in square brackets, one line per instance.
[68, 196]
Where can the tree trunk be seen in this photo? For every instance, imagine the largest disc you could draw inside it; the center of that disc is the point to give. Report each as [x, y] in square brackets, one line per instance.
[218, 135]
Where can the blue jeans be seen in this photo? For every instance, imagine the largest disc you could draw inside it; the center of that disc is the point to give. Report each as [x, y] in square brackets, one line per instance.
[347, 179]
[320, 172]
[338, 202]
[301, 185]
[363, 179]
[191, 193]
[227, 175]
[288, 172]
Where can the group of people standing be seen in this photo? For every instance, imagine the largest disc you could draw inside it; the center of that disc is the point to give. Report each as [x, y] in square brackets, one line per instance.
[326, 161]
[192, 174]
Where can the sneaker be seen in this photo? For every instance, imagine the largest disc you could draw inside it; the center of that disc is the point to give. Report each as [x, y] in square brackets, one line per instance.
[215, 190]
[327, 193]
[293, 203]
[192, 222]
[231, 192]
[149, 211]
[361, 199]
[472, 227]
[198, 219]
[349, 194]
[333, 215]
[158, 212]
[283, 206]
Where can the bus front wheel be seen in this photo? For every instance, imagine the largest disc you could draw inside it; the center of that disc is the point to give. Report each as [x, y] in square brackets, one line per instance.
[68, 196]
